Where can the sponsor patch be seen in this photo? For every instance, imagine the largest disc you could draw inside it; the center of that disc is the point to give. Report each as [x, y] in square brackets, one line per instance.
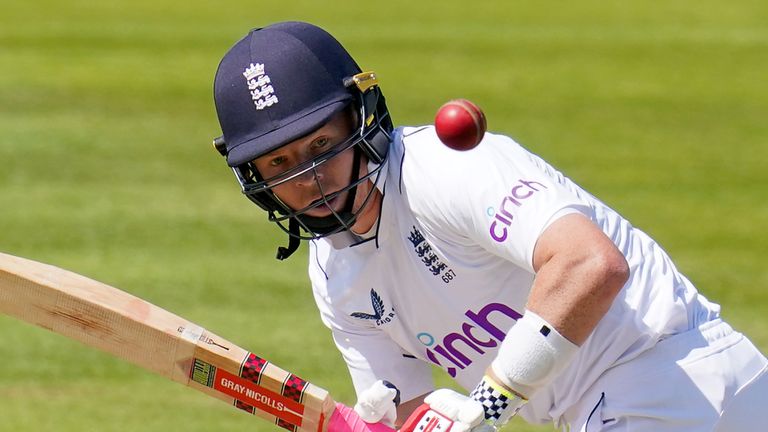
[480, 333]
[381, 315]
[503, 216]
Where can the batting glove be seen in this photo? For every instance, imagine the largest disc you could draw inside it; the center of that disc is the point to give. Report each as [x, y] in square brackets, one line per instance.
[378, 404]
[449, 411]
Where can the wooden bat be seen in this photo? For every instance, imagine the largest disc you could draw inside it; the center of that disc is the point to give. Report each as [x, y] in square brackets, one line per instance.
[146, 335]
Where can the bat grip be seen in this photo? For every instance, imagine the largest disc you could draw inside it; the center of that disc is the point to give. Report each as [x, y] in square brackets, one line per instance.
[345, 419]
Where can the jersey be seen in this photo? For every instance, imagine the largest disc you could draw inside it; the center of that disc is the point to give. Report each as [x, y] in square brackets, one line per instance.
[450, 269]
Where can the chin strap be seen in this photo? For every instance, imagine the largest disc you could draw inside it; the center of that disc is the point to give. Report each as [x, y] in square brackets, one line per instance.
[293, 241]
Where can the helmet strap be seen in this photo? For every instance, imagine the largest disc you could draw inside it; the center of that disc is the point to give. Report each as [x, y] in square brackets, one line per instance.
[293, 241]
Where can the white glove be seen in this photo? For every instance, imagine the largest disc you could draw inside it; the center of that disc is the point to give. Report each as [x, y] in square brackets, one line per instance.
[378, 403]
[446, 409]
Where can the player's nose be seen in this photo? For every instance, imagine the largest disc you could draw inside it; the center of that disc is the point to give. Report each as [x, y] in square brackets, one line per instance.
[310, 178]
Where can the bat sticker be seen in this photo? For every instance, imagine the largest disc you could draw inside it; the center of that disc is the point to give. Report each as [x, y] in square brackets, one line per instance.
[199, 334]
[249, 392]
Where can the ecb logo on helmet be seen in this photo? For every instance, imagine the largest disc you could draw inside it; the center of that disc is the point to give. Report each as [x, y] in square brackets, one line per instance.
[259, 85]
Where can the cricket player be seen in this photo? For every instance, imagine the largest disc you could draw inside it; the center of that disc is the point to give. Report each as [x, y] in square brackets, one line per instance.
[532, 294]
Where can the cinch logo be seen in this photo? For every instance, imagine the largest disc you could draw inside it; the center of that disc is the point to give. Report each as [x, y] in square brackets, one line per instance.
[502, 218]
[380, 314]
[454, 351]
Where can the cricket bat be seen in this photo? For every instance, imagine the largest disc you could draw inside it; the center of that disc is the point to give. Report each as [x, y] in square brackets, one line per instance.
[150, 337]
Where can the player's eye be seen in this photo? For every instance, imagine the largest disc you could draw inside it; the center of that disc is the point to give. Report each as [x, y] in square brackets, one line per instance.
[320, 143]
[277, 161]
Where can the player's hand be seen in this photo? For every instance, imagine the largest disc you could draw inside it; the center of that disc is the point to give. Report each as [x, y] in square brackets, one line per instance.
[378, 404]
[444, 409]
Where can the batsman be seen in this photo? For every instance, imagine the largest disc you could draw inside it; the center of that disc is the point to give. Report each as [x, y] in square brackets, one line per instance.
[531, 293]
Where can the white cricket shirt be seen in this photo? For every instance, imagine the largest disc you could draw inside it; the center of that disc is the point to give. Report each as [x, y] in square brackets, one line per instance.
[450, 270]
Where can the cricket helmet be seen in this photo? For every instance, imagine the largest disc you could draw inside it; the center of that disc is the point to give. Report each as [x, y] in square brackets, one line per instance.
[280, 83]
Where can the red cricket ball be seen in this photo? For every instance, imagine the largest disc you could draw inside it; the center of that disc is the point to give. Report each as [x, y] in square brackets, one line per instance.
[460, 124]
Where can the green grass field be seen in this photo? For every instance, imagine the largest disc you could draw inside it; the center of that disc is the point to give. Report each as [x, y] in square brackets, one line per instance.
[106, 114]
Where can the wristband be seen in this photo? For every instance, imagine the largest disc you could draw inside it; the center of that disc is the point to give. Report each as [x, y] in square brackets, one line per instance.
[499, 404]
[531, 355]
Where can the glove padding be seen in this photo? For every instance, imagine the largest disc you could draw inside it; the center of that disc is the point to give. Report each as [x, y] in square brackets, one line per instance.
[378, 404]
[448, 411]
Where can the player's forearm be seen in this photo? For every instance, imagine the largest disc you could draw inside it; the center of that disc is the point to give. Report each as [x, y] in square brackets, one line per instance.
[574, 293]
[579, 274]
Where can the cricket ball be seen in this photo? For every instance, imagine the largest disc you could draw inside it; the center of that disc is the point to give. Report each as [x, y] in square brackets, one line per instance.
[460, 124]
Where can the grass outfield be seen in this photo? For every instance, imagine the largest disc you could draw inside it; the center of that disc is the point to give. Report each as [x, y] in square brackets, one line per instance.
[106, 113]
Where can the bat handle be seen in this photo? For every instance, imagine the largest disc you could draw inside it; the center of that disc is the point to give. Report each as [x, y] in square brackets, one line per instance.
[345, 419]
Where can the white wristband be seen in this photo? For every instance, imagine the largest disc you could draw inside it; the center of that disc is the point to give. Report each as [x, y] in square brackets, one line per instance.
[532, 354]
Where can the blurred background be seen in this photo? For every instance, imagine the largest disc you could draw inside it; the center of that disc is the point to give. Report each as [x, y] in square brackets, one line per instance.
[106, 167]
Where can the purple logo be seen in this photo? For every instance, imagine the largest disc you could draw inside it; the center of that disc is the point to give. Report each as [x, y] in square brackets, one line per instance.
[455, 350]
[503, 217]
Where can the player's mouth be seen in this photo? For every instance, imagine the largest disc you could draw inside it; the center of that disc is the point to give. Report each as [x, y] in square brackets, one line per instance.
[324, 206]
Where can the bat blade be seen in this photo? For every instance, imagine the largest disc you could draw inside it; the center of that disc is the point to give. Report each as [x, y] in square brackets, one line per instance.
[150, 337]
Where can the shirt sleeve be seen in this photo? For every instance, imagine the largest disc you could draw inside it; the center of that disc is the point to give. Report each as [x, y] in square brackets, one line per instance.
[526, 196]
[498, 196]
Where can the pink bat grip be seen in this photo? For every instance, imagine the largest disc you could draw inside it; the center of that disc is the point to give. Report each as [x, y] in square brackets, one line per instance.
[345, 419]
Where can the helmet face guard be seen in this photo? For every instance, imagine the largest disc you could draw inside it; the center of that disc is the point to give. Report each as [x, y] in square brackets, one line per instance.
[369, 140]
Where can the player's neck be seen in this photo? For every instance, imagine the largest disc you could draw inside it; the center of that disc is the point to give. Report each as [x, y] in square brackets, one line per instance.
[365, 226]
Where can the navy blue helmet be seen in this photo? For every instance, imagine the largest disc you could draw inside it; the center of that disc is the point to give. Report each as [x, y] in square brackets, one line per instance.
[280, 83]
